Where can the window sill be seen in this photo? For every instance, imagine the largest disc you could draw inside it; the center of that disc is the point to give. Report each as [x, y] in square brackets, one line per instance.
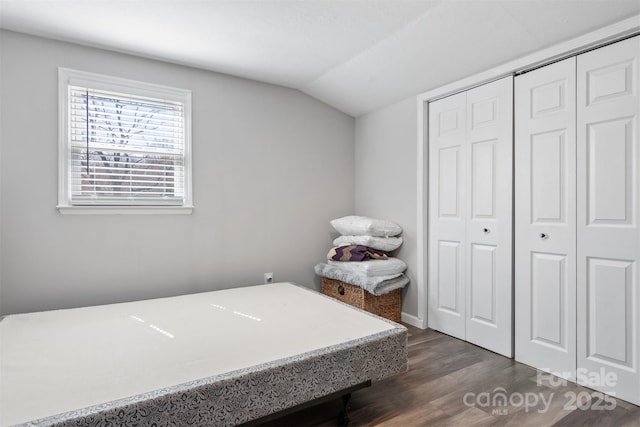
[125, 210]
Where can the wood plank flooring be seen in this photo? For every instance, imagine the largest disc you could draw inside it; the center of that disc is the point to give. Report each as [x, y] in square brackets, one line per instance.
[443, 370]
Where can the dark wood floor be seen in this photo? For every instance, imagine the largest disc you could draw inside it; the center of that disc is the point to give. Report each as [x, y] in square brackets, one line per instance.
[442, 370]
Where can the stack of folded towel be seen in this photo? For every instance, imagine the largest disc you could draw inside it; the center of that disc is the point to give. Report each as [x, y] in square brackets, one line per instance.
[361, 256]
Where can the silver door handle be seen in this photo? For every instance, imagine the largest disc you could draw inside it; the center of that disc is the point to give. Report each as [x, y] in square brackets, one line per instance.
[544, 236]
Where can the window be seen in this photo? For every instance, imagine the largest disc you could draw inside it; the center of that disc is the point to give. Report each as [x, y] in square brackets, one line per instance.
[125, 146]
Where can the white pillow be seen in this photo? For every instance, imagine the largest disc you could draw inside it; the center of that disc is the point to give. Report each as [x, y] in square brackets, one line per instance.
[386, 244]
[364, 226]
[373, 267]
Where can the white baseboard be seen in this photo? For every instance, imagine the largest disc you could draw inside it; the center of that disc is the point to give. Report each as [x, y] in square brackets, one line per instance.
[413, 320]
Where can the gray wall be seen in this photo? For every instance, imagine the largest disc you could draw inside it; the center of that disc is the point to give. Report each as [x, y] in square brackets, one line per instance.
[271, 167]
[386, 178]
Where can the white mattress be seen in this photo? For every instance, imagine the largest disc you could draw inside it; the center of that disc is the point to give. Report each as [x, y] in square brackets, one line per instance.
[59, 361]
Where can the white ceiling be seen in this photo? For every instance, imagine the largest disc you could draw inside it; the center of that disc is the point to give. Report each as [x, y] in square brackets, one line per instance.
[357, 55]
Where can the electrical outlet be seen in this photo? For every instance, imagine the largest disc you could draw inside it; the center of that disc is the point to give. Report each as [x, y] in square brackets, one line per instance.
[268, 277]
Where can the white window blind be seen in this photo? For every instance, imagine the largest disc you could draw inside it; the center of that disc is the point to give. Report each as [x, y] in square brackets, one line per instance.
[124, 149]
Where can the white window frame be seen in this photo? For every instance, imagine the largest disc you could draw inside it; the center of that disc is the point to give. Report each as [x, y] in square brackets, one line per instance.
[68, 77]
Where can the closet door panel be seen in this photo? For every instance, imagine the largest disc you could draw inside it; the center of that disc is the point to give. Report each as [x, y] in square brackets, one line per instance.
[610, 311]
[448, 283]
[548, 299]
[449, 186]
[447, 214]
[608, 235]
[545, 212]
[489, 213]
[483, 171]
[547, 164]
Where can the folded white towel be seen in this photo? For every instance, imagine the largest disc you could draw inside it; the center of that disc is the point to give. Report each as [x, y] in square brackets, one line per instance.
[378, 285]
[386, 244]
[373, 267]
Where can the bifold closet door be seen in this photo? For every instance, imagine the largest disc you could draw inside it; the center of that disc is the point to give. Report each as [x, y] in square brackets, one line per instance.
[577, 198]
[545, 218]
[470, 219]
[447, 214]
[608, 198]
[489, 284]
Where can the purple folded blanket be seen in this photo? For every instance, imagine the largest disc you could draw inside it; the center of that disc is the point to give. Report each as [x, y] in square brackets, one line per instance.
[355, 253]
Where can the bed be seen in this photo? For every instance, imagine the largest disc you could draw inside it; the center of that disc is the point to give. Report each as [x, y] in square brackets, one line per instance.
[216, 358]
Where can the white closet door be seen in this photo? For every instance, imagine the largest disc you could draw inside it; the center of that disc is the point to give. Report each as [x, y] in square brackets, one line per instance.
[489, 166]
[545, 214]
[447, 214]
[608, 206]
[470, 215]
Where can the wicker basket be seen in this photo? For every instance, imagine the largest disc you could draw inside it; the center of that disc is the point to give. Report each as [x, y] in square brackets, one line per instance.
[388, 305]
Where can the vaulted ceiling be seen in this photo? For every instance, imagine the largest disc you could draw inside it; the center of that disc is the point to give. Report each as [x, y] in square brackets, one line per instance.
[356, 55]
